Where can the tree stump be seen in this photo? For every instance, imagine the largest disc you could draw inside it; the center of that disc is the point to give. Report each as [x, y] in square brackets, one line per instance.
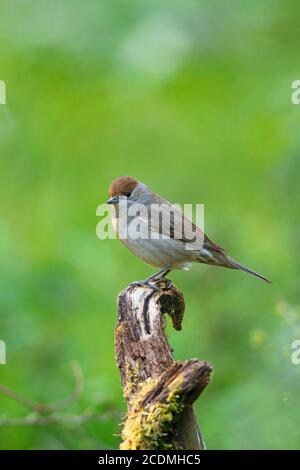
[159, 391]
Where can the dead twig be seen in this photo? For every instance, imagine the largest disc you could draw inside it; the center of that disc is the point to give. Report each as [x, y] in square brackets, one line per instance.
[58, 419]
[52, 407]
[49, 414]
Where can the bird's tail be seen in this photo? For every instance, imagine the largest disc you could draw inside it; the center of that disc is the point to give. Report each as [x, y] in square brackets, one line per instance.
[236, 265]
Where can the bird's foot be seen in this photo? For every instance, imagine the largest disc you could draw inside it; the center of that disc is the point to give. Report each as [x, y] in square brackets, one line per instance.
[145, 283]
[153, 282]
[162, 281]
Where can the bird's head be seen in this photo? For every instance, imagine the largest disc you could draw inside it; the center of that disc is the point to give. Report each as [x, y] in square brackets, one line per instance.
[123, 186]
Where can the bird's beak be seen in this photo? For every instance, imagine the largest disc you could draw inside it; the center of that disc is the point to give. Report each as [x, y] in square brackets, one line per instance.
[113, 200]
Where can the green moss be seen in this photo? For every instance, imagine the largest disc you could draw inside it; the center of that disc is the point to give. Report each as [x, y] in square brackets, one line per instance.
[151, 426]
[132, 374]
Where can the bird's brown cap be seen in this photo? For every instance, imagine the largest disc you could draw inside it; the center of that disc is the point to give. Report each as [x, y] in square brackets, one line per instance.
[122, 185]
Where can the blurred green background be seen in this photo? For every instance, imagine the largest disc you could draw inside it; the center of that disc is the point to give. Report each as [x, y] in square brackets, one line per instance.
[193, 98]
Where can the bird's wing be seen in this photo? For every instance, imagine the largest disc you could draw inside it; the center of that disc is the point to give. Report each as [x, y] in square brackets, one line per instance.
[210, 245]
[169, 221]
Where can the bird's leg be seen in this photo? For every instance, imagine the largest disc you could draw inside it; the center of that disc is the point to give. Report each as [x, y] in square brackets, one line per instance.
[149, 281]
[144, 283]
[159, 275]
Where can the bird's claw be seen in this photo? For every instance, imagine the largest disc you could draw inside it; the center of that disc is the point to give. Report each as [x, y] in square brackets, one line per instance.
[145, 283]
[166, 282]
[153, 283]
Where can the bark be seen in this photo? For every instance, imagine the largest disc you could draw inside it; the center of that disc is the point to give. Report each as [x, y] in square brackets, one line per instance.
[159, 391]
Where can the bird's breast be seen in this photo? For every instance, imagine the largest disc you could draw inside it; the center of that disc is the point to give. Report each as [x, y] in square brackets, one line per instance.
[150, 247]
[114, 219]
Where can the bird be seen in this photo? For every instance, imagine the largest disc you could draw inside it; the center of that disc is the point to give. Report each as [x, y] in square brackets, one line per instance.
[167, 245]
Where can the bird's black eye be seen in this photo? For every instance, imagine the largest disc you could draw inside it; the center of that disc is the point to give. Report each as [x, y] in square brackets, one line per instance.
[128, 194]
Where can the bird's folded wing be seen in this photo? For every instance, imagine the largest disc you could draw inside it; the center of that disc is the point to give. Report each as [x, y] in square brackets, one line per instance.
[167, 221]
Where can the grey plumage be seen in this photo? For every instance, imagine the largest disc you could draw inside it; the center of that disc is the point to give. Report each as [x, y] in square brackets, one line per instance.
[172, 241]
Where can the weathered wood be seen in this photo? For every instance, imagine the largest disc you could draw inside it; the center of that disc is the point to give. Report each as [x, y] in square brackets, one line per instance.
[159, 391]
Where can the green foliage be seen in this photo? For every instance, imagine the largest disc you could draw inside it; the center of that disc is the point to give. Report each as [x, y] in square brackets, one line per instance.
[192, 98]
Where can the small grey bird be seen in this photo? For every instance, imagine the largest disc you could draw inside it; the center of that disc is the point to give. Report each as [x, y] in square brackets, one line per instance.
[168, 245]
